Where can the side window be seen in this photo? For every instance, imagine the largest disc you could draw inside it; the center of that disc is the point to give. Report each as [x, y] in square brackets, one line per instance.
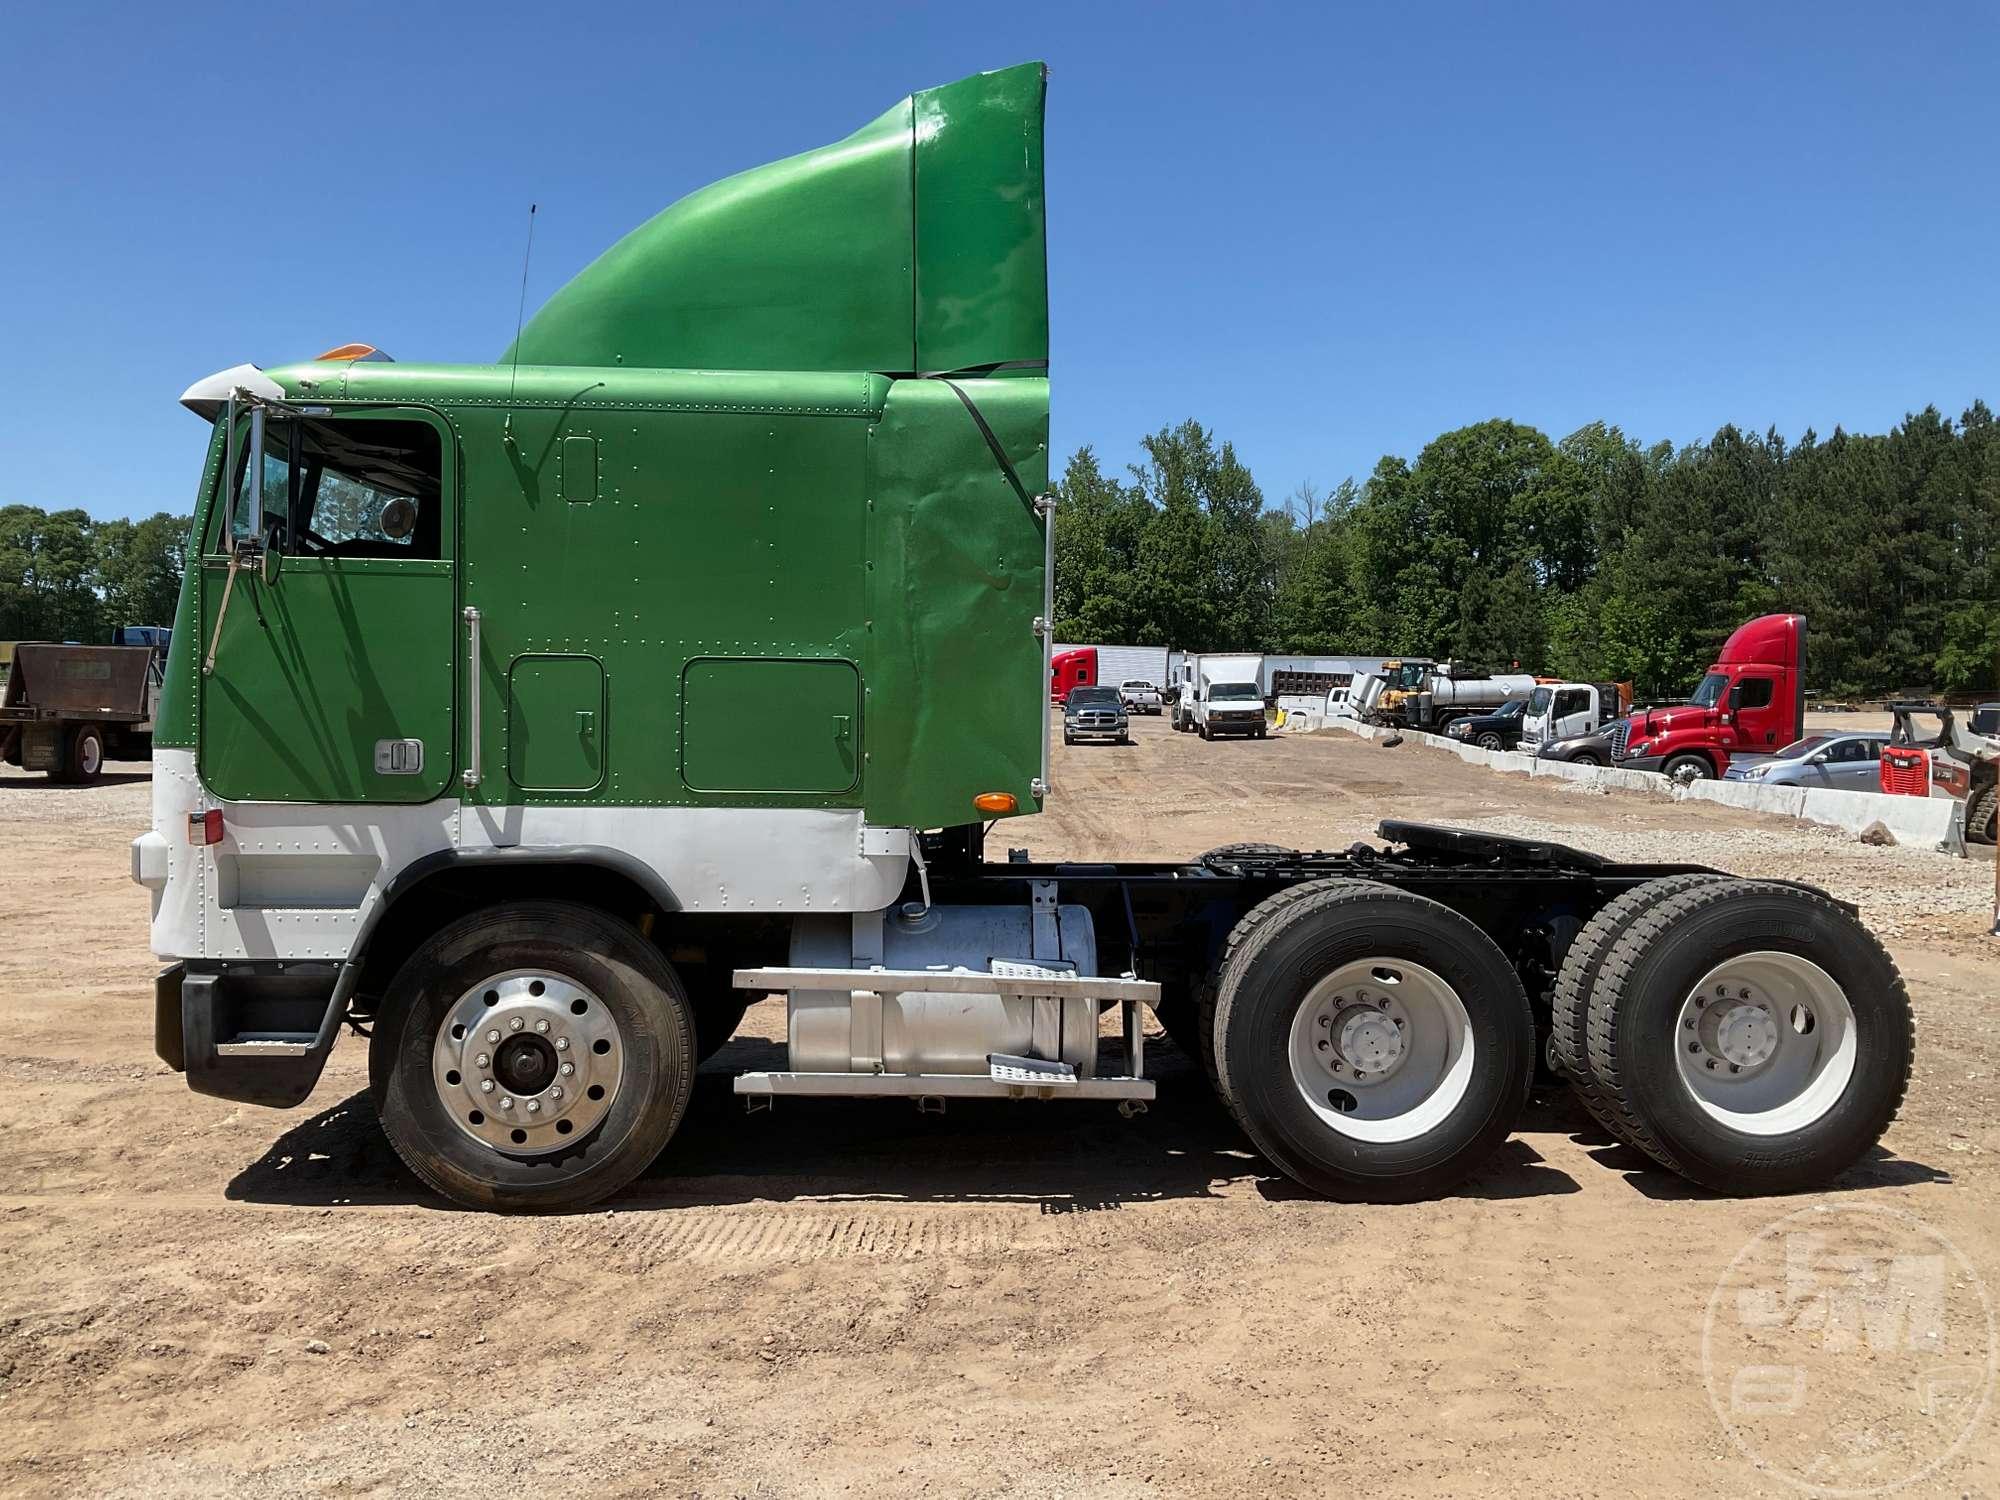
[1570, 702]
[369, 489]
[353, 488]
[1756, 693]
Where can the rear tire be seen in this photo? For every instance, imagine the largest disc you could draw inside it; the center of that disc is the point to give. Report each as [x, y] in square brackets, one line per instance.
[1569, 1019]
[1753, 1037]
[1327, 1088]
[631, 1003]
[86, 755]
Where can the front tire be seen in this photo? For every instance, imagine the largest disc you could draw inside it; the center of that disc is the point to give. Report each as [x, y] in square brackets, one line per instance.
[1373, 1044]
[1491, 741]
[500, 1125]
[1684, 770]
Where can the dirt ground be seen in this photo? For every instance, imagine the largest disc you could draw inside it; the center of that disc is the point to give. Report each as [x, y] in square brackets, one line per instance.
[855, 1298]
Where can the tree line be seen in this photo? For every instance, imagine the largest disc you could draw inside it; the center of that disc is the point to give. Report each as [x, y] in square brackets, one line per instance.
[1590, 557]
[66, 577]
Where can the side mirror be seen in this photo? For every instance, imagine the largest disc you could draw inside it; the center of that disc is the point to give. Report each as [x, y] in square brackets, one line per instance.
[1820, 759]
[1736, 697]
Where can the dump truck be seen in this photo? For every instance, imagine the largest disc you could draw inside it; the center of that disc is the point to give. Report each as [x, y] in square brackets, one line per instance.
[66, 708]
[532, 718]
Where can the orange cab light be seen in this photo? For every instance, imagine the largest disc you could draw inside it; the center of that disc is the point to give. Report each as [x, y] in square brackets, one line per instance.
[352, 352]
[995, 802]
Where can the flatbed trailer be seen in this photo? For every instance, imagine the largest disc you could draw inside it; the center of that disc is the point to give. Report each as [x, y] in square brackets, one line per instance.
[533, 719]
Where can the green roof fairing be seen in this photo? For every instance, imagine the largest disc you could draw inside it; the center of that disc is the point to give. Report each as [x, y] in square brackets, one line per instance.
[917, 243]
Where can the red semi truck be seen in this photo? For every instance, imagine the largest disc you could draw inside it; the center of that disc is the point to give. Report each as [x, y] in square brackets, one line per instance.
[1751, 701]
[1074, 668]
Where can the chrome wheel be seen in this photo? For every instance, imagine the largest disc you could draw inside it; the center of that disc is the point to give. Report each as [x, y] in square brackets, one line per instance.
[1689, 769]
[1382, 1050]
[1766, 1043]
[89, 754]
[528, 1063]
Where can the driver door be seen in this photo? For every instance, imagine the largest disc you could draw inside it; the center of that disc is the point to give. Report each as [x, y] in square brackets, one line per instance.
[333, 681]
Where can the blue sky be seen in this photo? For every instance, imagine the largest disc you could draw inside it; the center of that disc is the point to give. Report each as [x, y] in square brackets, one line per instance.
[1329, 232]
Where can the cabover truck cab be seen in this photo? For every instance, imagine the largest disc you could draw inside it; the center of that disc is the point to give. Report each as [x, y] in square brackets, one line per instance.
[1751, 701]
[533, 718]
[1560, 710]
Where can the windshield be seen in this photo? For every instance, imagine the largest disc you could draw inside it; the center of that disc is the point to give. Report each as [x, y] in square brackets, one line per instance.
[1799, 749]
[1513, 708]
[1710, 692]
[1409, 675]
[1093, 697]
[1538, 700]
[1139, 684]
[1234, 692]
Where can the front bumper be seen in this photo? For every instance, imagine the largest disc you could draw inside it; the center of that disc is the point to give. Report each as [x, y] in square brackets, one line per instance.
[1640, 763]
[1235, 723]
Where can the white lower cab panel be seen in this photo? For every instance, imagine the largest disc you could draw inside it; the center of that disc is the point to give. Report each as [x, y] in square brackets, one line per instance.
[298, 880]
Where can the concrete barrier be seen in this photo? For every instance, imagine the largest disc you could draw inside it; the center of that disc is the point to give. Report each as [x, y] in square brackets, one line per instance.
[1784, 801]
[1913, 822]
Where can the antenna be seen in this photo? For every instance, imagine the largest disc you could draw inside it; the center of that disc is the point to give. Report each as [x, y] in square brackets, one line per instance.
[520, 309]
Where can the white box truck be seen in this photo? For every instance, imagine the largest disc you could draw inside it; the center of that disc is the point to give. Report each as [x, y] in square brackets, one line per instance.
[1221, 695]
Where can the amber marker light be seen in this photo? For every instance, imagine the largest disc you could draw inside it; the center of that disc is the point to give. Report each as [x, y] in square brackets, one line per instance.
[995, 802]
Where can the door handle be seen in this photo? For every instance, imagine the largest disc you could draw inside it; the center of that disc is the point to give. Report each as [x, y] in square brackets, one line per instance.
[586, 721]
[471, 772]
[843, 727]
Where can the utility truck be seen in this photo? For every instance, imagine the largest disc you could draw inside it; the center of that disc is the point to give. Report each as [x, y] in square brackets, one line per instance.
[452, 751]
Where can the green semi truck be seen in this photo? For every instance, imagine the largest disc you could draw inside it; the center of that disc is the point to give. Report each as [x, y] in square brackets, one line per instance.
[531, 717]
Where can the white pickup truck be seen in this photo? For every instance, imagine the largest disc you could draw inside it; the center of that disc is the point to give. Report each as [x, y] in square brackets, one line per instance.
[1140, 696]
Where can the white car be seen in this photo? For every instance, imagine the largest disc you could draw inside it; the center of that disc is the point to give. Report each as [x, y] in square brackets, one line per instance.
[1140, 696]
